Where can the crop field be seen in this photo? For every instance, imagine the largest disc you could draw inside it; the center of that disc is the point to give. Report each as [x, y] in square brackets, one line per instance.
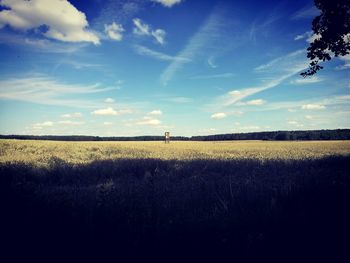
[241, 198]
[40, 153]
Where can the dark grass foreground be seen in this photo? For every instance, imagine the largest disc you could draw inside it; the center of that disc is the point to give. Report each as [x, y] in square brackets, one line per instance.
[288, 209]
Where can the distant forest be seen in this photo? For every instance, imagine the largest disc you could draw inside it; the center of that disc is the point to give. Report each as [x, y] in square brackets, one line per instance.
[339, 134]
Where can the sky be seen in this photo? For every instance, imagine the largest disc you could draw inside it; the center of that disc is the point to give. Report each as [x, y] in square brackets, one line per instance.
[143, 67]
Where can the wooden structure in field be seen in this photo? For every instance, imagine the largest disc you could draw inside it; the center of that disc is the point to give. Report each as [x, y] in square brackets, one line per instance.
[167, 137]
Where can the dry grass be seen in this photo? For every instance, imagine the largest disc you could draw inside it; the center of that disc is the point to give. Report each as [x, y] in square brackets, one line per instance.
[40, 153]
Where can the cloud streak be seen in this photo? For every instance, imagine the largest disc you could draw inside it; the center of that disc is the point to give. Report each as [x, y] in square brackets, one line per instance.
[209, 31]
[215, 76]
[143, 29]
[144, 51]
[274, 73]
[42, 89]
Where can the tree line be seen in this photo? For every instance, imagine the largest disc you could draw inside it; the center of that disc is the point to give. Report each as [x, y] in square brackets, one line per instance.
[338, 134]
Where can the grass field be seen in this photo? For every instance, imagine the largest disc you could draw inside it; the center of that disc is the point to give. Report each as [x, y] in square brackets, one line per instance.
[245, 198]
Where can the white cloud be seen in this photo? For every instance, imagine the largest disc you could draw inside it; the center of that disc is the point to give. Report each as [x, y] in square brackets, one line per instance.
[71, 123]
[149, 121]
[143, 29]
[64, 22]
[141, 50]
[42, 125]
[114, 31]
[108, 123]
[292, 110]
[168, 3]
[255, 102]
[109, 100]
[218, 116]
[105, 112]
[307, 80]
[155, 113]
[313, 107]
[72, 115]
[295, 123]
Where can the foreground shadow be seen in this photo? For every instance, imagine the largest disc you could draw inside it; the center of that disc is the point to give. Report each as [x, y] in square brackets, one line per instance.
[138, 207]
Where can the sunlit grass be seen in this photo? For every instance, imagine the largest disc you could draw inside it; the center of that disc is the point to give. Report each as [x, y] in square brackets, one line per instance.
[40, 153]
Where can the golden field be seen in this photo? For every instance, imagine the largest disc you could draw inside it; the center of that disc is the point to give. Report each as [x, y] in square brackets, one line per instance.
[39, 153]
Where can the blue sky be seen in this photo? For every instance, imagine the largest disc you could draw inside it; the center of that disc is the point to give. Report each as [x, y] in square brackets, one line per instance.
[133, 67]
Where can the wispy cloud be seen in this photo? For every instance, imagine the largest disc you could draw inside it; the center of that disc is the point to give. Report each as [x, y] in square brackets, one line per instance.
[155, 113]
[261, 24]
[306, 35]
[72, 115]
[218, 115]
[256, 102]
[209, 31]
[109, 100]
[143, 29]
[313, 107]
[235, 96]
[211, 62]
[42, 89]
[71, 123]
[295, 123]
[78, 64]
[215, 76]
[42, 125]
[176, 99]
[114, 31]
[308, 80]
[39, 45]
[305, 13]
[144, 51]
[338, 102]
[273, 73]
[168, 3]
[346, 60]
[149, 121]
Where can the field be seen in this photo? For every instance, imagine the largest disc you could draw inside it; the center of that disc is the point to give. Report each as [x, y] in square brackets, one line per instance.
[242, 198]
[41, 153]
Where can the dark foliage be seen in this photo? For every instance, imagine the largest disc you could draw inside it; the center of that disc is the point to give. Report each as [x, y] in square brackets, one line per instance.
[339, 134]
[333, 27]
[291, 210]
